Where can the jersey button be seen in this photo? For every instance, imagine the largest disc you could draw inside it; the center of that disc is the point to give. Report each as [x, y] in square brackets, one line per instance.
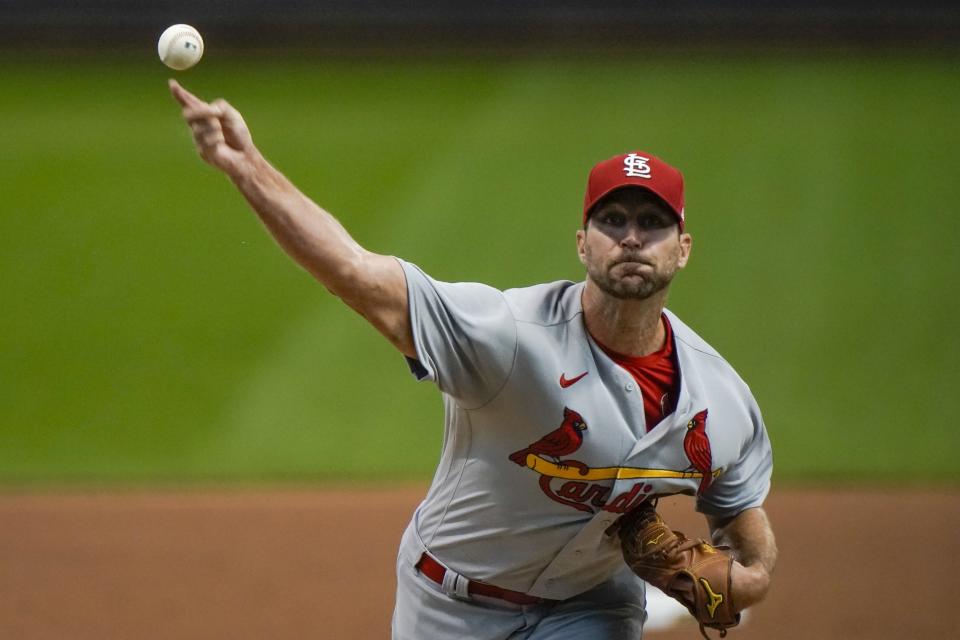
[628, 386]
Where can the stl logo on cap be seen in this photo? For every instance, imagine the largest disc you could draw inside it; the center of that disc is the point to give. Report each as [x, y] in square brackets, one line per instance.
[635, 166]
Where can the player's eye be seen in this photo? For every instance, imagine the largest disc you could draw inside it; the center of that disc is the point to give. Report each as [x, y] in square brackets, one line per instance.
[614, 219]
[654, 221]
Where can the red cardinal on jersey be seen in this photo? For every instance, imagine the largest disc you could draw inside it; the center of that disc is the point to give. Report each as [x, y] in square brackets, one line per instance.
[696, 445]
[558, 443]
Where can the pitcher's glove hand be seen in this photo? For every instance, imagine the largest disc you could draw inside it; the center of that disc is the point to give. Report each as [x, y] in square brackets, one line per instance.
[694, 572]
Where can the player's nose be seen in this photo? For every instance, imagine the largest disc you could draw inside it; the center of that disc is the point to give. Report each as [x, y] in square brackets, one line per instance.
[632, 237]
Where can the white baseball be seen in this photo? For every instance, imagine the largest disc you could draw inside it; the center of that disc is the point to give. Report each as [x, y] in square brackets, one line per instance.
[180, 47]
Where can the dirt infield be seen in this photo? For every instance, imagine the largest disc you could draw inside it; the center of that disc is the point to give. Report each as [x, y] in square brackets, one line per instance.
[319, 564]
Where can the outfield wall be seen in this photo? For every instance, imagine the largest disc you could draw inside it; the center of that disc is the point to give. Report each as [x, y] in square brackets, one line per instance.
[503, 24]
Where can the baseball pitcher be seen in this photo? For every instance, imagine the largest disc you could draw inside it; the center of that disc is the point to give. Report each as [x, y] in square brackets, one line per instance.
[570, 408]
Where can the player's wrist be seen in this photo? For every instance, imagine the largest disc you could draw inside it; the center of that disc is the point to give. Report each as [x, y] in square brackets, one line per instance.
[250, 170]
[748, 584]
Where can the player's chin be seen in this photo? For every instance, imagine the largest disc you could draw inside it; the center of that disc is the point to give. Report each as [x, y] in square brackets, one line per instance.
[634, 293]
[631, 287]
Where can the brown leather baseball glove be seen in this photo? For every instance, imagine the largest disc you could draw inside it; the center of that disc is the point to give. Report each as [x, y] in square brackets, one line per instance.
[694, 572]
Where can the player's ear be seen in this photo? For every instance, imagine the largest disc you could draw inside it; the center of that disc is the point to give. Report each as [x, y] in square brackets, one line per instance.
[581, 240]
[686, 242]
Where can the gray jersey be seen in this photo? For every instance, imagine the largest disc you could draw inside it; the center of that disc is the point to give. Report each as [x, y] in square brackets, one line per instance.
[545, 442]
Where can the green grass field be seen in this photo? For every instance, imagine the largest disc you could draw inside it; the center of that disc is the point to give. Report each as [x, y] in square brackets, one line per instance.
[152, 331]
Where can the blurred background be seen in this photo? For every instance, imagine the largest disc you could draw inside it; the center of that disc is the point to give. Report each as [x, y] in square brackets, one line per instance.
[152, 331]
[198, 441]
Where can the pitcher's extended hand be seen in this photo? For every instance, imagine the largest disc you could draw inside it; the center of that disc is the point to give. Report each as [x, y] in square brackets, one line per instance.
[219, 132]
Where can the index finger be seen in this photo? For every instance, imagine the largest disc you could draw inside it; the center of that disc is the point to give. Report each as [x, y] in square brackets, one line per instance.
[184, 97]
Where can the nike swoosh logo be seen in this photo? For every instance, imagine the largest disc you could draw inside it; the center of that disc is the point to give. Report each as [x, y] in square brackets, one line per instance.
[566, 383]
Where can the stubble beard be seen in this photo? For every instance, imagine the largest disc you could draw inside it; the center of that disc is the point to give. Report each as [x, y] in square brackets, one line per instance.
[635, 286]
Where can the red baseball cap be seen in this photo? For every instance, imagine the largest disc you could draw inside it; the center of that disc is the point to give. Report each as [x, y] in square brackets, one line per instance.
[635, 169]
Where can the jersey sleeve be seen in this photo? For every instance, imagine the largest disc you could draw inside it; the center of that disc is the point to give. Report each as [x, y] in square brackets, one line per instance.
[746, 482]
[465, 336]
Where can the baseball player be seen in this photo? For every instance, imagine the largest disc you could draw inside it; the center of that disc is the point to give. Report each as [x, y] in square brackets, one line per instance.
[569, 409]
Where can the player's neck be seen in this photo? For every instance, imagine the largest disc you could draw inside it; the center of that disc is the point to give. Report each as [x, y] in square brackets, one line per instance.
[629, 327]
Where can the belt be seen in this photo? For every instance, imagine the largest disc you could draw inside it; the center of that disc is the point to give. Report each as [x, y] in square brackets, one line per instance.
[431, 568]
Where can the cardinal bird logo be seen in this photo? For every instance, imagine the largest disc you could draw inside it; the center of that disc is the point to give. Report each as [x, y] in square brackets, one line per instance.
[560, 442]
[696, 445]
